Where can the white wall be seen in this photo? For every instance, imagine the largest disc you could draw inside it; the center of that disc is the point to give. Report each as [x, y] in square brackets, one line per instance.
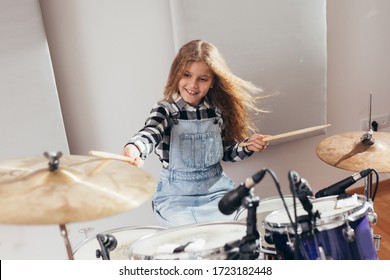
[287, 56]
[111, 59]
[30, 115]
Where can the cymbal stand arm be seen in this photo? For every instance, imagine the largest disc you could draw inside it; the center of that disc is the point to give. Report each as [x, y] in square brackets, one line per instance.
[64, 234]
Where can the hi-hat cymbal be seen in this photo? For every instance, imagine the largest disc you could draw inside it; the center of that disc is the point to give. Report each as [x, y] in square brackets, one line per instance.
[347, 151]
[80, 188]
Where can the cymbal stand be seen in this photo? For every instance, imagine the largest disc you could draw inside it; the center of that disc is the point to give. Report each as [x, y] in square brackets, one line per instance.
[367, 139]
[64, 234]
[367, 136]
[372, 216]
[54, 160]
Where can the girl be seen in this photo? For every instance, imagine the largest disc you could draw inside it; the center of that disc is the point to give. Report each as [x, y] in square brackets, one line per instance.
[201, 120]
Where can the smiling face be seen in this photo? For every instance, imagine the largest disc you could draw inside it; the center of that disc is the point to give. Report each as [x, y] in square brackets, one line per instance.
[195, 82]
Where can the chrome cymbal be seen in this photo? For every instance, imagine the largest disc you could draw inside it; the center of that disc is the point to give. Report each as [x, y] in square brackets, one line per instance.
[76, 188]
[348, 151]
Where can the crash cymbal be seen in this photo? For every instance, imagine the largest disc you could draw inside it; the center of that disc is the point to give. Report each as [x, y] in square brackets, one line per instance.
[347, 151]
[40, 190]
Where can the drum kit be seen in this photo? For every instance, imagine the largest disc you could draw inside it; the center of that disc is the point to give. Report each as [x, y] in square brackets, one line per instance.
[60, 189]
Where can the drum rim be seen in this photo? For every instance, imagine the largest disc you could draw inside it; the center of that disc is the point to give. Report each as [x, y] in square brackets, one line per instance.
[326, 223]
[120, 229]
[192, 255]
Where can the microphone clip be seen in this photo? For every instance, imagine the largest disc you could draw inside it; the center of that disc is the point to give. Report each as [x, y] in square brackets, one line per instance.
[107, 243]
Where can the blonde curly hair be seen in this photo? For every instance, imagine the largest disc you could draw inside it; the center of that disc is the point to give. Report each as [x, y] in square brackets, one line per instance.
[231, 94]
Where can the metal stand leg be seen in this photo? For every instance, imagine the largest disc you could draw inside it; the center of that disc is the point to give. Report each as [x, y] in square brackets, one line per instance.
[372, 216]
[64, 234]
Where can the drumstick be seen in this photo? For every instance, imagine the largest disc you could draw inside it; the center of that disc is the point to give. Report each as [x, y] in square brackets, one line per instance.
[110, 156]
[288, 134]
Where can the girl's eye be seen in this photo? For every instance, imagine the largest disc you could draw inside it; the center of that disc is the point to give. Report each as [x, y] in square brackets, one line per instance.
[187, 75]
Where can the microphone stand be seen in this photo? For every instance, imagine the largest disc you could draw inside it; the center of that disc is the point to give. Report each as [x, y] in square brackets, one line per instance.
[248, 246]
[301, 190]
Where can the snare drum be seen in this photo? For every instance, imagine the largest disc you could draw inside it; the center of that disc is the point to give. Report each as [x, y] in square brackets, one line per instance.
[86, 250]
[341, 232]
[203, 241]
[266, 206]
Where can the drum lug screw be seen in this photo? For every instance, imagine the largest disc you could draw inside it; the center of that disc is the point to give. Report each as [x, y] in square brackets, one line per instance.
[377, 241]
[348, 232]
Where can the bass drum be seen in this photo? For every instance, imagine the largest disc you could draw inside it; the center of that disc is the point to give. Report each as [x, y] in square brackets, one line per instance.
[86, 250]
[203, 241]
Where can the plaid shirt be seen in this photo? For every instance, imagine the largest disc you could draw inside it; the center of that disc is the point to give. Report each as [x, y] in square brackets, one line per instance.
[155, 135]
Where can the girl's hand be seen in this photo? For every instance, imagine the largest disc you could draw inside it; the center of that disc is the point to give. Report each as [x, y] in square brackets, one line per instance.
[132, 152]
[255, 143]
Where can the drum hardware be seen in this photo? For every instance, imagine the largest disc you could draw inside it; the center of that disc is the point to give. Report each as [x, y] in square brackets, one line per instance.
[107, 243]
[290, 243]
[304, 224]
[58, 189]
[377, 241]
[64, 234]
[86, 231]
[321, 253]
[367, 138]
[348, 231]
[372, 216]
[249, 245]
[124, 236]
[54, 160]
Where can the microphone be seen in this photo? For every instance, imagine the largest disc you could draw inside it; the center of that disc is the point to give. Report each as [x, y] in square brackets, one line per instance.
[341, 186]
[232, 200]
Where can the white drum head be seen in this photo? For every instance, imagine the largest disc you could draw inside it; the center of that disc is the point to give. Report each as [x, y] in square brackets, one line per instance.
[201, 241]
[266, 206]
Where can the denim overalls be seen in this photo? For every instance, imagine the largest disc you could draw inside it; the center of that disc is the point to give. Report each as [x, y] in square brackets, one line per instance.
[190, 188]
